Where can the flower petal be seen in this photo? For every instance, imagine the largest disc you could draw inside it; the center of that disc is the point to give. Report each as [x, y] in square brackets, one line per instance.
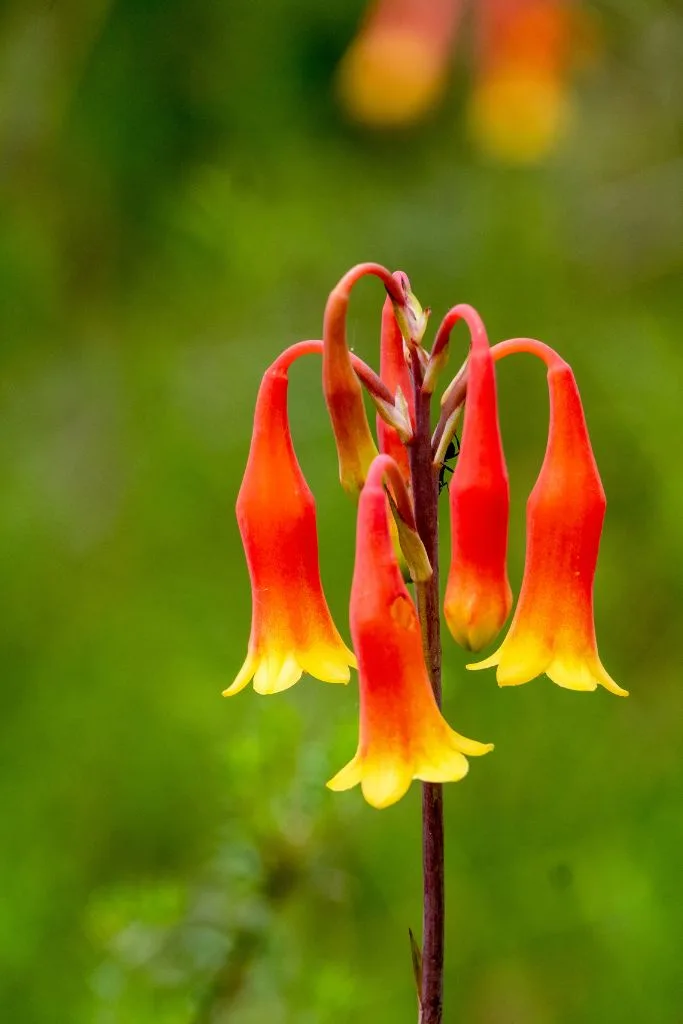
[448, 765]
[276, 672]
[579, 674]
[349, 776]
[384, 782]
[328, 665]
[473, 748]
[243, 677]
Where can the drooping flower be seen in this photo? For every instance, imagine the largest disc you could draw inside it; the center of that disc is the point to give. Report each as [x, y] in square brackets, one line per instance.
[520, 102]
[403, 735]
[396, 67]
[478, 596]
[292, 630]
[553, 629]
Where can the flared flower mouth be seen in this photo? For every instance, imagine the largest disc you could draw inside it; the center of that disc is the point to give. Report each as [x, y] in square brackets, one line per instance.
[385, 779]
[276, 669]
[524, 658]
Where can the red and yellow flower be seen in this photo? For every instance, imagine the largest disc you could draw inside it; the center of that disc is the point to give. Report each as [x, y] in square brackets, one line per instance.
[403, 735]
[478, 596]
[291, 630]
[520, 103]
[397, 66]
[553, 629]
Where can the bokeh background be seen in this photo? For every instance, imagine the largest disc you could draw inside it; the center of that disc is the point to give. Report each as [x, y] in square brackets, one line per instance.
[180, 189]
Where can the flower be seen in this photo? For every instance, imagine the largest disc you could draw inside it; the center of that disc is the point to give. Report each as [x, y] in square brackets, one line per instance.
[478, 596]
[396, 68]
[520, 107]
[553, 630]
[291, 629]
[403, 735]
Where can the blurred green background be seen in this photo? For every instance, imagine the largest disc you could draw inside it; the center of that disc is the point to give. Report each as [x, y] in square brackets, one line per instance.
[179, 192]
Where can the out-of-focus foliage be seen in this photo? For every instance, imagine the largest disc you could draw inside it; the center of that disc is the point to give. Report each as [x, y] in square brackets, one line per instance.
[178, 194]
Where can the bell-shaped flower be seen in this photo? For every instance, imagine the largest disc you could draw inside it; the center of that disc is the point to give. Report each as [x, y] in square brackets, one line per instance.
[403, 735]
[552, 629]
[397, 66]
[291, 630]
[478, 596]
[520, 104]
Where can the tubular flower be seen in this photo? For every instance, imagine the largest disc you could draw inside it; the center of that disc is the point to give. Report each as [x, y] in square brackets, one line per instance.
[478, 596]
[519, 107]
[403, 735]
[553, 630]
[396, 67]
[291, 630]
[395, 374]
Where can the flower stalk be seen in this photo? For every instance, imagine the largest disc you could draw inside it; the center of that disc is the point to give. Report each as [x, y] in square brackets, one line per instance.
[425, 489]
[396, 638]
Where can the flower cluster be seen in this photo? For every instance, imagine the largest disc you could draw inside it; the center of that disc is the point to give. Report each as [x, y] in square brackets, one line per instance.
[396, 68]
[403, 735]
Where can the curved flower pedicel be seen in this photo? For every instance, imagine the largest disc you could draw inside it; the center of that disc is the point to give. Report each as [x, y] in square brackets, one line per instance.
[292, 630]
[553, 630]
[343, 395]
[393, 370]
[403, 735]
[478, 596]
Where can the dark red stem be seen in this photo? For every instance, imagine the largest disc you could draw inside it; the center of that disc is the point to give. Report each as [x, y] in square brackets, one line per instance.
[424, 479]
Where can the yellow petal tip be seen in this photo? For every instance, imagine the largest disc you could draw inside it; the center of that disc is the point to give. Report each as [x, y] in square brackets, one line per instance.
[242, 679]
[510, 681]
[476, 666]
[349, 776]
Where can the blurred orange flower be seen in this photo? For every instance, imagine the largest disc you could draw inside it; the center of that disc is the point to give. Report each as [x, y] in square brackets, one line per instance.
[395, 69]
[520, 104]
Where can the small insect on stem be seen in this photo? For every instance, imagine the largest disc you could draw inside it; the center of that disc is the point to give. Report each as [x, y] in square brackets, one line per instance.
[452, 453]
